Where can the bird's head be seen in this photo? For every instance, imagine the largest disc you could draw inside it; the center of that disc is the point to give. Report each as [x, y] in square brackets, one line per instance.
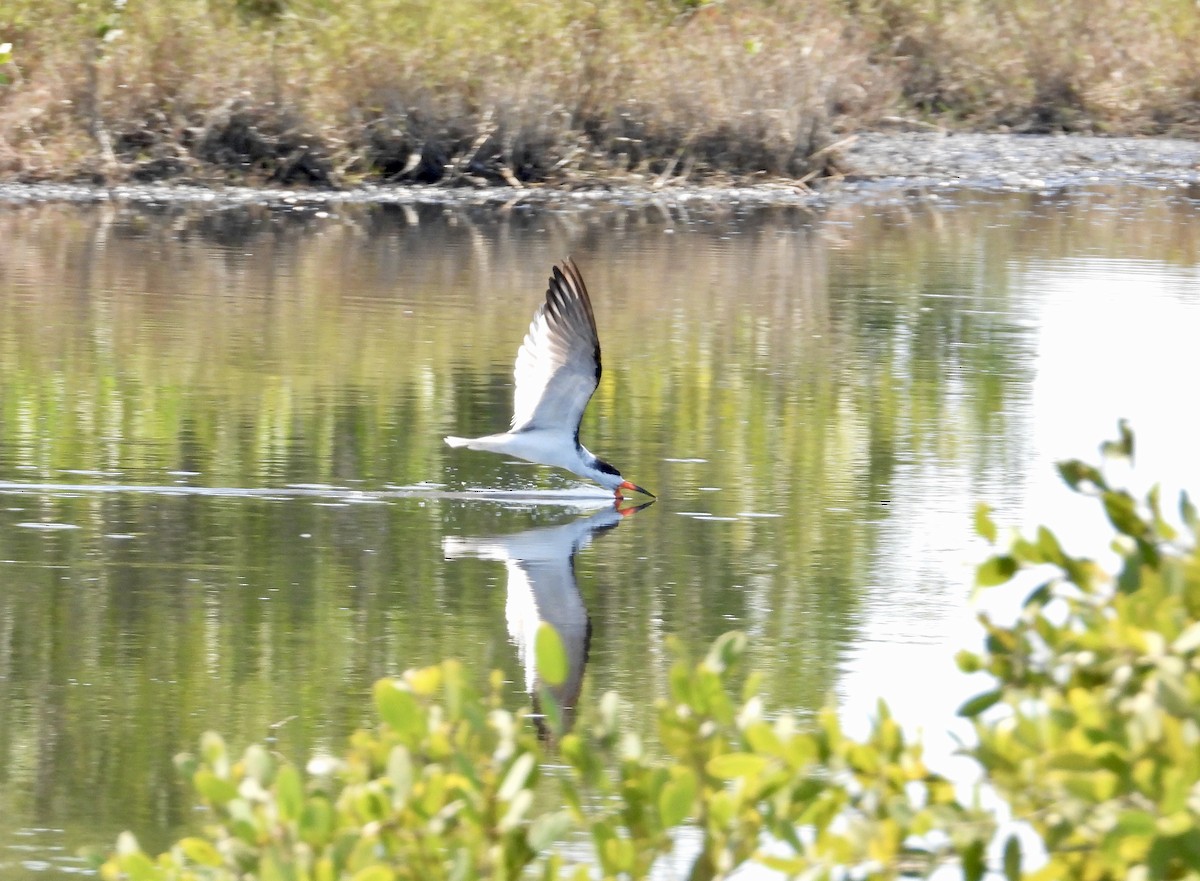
[610, 478]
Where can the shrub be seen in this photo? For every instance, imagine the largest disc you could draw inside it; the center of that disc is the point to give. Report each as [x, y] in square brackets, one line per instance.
[450, 785]
[1089, 729]
[1093, 731]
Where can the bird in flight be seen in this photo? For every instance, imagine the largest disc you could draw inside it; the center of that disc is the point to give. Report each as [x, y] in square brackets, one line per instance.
[557, 370]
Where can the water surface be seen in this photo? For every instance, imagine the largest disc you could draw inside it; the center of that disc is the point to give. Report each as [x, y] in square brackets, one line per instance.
[225, 503]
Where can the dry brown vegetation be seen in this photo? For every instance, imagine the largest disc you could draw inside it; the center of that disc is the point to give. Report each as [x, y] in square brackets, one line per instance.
[520, 91]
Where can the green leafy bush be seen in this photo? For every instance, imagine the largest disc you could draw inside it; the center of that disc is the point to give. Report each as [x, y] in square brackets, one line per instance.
[1089, 729]
[1092, 730]
[450, 785]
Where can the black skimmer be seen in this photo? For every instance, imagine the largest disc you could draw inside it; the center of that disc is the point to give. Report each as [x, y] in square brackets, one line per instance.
[557, 370]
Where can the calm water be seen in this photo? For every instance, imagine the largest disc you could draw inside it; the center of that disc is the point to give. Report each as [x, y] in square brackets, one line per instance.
[224, 500]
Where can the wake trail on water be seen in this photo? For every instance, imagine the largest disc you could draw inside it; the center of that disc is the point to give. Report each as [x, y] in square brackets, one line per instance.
[583, 496]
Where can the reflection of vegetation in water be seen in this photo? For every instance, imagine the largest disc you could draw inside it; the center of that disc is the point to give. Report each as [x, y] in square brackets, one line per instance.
[804, 365]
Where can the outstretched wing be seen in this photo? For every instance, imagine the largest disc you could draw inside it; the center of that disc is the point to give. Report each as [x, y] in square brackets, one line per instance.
[558, 366]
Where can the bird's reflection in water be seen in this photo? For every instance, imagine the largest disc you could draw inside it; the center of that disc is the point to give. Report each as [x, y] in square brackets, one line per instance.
[542, 587]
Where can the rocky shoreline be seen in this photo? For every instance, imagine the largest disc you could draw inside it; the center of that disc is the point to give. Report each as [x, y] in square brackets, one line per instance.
[1021, 161]
[871, 164]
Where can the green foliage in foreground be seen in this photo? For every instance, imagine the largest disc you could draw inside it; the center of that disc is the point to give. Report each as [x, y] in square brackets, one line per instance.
[1092, 729]
[1089, 729]
[453, 786]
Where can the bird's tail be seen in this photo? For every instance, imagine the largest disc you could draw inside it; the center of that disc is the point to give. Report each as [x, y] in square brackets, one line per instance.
[489, 443]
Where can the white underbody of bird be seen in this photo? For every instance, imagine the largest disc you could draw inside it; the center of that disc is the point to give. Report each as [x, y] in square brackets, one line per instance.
[557, 370]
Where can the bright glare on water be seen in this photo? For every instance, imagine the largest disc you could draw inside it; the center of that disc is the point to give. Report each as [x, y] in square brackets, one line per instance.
[225, 503]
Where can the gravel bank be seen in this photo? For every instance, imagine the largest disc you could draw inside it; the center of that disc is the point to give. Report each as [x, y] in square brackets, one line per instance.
[874, 163]
[1023, 161]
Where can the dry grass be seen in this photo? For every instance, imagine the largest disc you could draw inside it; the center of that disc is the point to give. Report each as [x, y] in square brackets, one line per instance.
[519, 91]
[1103, 66]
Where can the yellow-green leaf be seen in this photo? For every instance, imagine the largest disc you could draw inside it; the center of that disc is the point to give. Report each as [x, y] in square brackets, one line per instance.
[400, 773]
[270, 868]
[1189, 640]
[200, 850]
[257, 762]
[980, 702]
[547, 829]
[996, 570]
[137, 867]
[397, 707]
[518, 774]
[289, 793]
[214, 753]
[551, 656]
[676, 798]
[725, 651]
[213, 789]
[1012, 859]
[517, 809]
[732, 765]
[316, 822]
[984, 525]
[1174, 824]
